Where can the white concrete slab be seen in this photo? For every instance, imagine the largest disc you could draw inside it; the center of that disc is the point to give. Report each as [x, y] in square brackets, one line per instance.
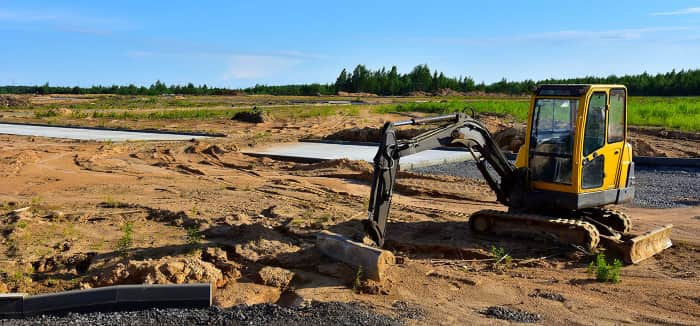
[89, 134]
[326, 151]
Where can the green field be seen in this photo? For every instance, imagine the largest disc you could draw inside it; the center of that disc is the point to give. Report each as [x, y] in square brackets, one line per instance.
[669, 112]
[681, 113]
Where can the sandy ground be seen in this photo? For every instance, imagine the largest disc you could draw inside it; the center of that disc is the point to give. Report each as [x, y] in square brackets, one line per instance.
[206, 204]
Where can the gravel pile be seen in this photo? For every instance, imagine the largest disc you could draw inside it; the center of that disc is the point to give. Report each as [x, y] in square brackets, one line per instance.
[318, 313]
[509, 314]
[547, 295]
[657, 187]
[666, 187]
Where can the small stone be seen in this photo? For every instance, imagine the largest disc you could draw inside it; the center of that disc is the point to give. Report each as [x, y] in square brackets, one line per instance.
[275, 276]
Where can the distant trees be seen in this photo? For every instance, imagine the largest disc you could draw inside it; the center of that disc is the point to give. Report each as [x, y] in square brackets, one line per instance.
[391, 82]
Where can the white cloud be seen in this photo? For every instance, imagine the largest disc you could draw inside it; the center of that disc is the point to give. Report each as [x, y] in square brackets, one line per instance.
[686, 11]
[610, 35]
[258, 66]
[68, 21]
[630, 34]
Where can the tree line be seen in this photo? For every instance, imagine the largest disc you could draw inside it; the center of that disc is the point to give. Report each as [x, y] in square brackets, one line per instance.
[390, 82]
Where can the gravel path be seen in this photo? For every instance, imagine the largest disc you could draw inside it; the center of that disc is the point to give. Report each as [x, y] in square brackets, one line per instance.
[321, 313]
[657, 187]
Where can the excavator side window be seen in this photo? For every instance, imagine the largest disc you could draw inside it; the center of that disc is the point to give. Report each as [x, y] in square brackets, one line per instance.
[551, 146]
[594, 135]
[616, 118]
[592, 174]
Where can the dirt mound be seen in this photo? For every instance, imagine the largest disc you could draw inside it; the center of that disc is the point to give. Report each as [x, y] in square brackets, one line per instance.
[448, 92]
[203, 148]
[167, 270]
[13, 163]
[641, 147]
[368, 134]
[341, 93]
[510, 139]
[420, 93]
[254, 116]
[340, 164]
[11, 101]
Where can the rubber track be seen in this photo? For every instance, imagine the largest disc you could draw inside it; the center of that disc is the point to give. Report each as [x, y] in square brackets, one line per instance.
[604, 215]
[593, 236]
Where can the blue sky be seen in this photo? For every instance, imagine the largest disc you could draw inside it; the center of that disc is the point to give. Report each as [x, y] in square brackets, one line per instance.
[241, 43]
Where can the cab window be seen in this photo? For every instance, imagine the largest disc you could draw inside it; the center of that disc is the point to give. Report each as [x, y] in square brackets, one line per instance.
[616, 116]
[594, 134]
[553, 130]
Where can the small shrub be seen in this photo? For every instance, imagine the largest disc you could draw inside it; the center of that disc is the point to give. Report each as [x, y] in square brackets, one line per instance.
[127, 239]
[109, 202]
[357, 283]
[22, 224]
[605, 272]
[503, 259]
[194, 236]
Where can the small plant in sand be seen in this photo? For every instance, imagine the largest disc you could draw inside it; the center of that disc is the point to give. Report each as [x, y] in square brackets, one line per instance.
[194, 236]
[605, 272]
[109, 202]
[127, 239]
[503, 259]
[36, 200]
[357, 283]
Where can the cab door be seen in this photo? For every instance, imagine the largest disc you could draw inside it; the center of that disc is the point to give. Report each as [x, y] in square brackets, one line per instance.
[603, 139]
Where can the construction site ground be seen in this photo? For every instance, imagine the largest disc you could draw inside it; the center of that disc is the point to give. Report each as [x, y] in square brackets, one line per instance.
[203, 211]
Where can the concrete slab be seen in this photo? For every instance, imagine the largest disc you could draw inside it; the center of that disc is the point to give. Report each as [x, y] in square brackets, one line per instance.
[316, 151]
[90, 133]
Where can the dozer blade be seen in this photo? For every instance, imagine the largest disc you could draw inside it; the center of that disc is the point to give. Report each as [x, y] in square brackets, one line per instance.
[634, 249]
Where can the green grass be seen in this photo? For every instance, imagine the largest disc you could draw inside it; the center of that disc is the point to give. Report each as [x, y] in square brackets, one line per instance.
[669, 112]
[127, 239]
[682, 113]
[515, 107]
[605, 272]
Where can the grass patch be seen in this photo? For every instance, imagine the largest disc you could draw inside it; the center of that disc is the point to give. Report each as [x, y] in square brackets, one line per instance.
[127, 240]
[357, 283]
[194, 236]
[605, 272]
[517, 108]
[669, 112]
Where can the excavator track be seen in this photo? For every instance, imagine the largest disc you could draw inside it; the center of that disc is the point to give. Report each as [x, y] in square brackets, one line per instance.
[614, 219]
[567, 231]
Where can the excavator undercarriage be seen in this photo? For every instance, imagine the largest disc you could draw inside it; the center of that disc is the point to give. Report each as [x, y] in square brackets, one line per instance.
[528, 214]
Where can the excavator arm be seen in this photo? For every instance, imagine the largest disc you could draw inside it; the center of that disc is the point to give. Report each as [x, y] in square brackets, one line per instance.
[461, 131]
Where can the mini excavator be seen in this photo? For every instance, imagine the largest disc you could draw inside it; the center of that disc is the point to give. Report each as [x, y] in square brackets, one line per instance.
[575, 161]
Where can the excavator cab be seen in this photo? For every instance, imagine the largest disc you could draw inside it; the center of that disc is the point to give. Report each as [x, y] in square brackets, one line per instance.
[575, 147]
[575, 160]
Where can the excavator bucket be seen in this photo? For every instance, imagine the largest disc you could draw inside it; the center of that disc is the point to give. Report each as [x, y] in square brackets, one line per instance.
[634, 249]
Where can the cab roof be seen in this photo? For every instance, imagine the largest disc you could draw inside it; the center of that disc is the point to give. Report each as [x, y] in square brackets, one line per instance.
[568, 89]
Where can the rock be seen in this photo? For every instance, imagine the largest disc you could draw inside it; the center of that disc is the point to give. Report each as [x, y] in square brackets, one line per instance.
[164, 271]
[219, 258]
[56, 215]
[264, 249]
[4, 288]
[275, 276]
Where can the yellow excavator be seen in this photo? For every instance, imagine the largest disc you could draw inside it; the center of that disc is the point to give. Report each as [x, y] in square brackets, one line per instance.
[574, 162]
